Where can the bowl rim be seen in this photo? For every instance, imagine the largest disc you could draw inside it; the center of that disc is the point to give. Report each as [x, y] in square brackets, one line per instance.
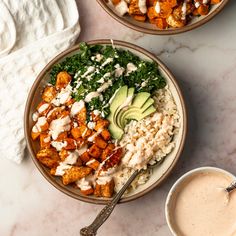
[177, 184]
[169, 31]
[63, 55]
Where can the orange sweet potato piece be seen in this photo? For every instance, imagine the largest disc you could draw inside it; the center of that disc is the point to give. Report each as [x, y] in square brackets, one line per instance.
[101, 124]
[35, 135]
[70, 144]
[113, 160]
[80, 132]
[49, 157]
[63, 79]
[87, 191]
[81, 116]
[108, 151]
[62, 136]
[85, 157]
[161, 23]
[100, 142]
[63, 154]
[93, 163]
[141, 18]
[75, 173]
[166, 10]
[151, 13]
[44, 141]
[115, 2]
[95, 151]
[203, 10]
[49, 93]
[104, 190]
[106, 134]
[97, 191]
[107, 189]
[215, 1]
[43, 108]
[134, 8]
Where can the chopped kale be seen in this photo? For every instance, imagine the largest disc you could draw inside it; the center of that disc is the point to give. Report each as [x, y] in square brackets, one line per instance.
[146, 77]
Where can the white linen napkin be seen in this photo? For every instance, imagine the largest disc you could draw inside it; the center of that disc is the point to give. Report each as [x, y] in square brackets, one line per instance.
[32, 32]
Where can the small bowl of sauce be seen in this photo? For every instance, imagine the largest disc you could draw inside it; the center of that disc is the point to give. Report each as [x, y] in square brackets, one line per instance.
[198, 205]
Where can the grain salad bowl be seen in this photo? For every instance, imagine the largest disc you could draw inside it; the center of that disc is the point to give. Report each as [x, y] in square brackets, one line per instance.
[148, 28]
[160, 172]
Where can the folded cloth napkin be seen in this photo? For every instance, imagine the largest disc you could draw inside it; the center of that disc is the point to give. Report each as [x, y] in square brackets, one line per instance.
[32, 32]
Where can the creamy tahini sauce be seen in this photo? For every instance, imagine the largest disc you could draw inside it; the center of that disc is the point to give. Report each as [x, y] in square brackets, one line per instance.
[204, 208]
[142, 6]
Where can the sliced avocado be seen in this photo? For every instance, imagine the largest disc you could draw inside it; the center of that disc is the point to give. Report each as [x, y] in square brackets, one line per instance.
[140, 99]
[134, 109]
[139, 115]
[115, 131]
[119, 98]
[117, 101]
[130, 92]
[147, 104]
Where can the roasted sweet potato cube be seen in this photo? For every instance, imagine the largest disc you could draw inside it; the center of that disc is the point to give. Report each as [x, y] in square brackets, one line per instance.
[175, 23]
[97, 190]
[35, 135]
[93, 163]
[75, 173]
[70, 144]
[113, 160]
[108, 151]
[62, 136]
[195, 12]
[151, 13]
[95, 117]
[141, 18]
[203, 10]
[49, 157]
[78, 162]
[115, 2]
[54, 113]
[107, 189]
[70, 102]
[87, 191]
[101, 124]
[161, 23]
[43, 108]
[80, 132]
[215, 1]
[81, 116]
[172, 3]
[63, 154]
[95, 151]
[85, 157]
[100, 142]
[150, 2]
[45, 140]
[134, 8]
[106, 134]
[165, 10]
[53, 171]
[63, 79]
[63, 114]
[49, 93]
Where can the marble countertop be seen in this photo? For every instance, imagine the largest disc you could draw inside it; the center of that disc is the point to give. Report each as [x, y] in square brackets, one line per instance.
[204, 63]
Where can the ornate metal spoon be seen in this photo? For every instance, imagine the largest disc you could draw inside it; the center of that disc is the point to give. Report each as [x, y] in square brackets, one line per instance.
[231, 187]
[91, 230]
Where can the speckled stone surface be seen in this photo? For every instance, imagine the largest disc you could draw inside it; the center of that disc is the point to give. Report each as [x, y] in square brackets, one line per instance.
[204, 63]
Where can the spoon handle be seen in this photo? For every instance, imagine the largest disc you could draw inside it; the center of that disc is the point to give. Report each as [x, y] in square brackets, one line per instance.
[91, 230]
[231, 187]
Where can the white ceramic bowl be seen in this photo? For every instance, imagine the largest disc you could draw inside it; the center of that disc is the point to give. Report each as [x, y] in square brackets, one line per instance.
[170, 201]
[160, 173]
